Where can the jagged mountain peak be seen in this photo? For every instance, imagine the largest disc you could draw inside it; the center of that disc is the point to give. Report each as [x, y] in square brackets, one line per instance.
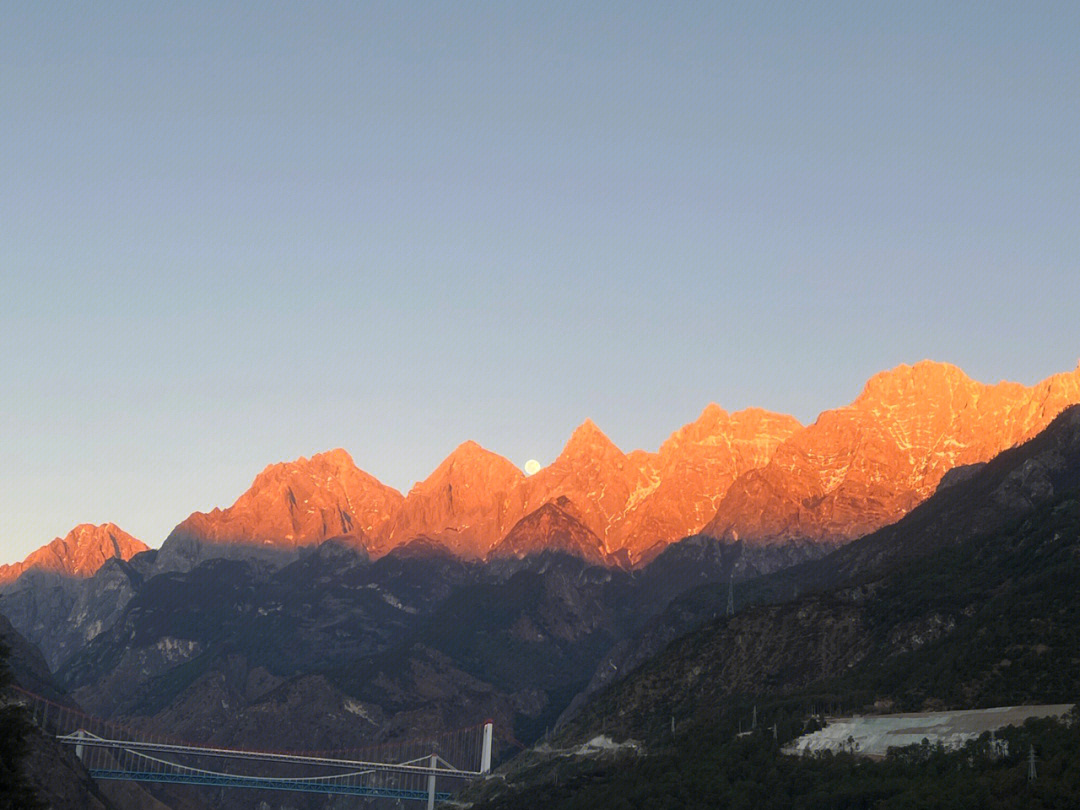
[469, 465]
[79, 553]
[290, 505]
[715, 425]
[471, 458]
[555, 526]
[588, 439]
[712, 420]
[326, 478]
[468, 503]
[864, 465]
[1065, 384]
[924, 377]
[696, 465]
[336, 462]
[337, 456]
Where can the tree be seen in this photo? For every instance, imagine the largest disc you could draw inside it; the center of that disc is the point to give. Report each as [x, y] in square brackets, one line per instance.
[15, 791]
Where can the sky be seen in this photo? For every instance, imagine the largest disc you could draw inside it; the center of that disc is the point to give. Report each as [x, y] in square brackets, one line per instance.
[236, 236]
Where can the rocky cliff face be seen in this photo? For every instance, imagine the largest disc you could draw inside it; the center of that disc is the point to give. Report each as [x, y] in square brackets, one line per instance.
[80, 553]
[67, 592]
[594, 475]
[61, 614]
[289, 506]
[863, 466]
[752, 475]
[694, 470]
[468, 504]
[553, 527]
[632, 502]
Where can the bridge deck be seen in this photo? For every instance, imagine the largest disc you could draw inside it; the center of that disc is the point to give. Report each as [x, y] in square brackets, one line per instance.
[266, 783]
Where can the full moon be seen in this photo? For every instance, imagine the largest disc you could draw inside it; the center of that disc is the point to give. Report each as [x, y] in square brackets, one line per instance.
[532, 466]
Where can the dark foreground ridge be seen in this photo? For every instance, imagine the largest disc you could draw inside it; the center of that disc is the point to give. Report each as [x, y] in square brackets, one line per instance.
[968, 602]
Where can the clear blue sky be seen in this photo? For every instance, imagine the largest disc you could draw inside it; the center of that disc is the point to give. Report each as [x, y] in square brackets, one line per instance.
[229, 238]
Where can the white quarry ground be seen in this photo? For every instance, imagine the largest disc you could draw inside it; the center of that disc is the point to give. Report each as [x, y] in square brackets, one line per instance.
[598, 746]
[603, 744]
[874, 735]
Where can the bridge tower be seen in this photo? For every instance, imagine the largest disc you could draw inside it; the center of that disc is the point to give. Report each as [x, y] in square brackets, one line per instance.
[485, 751]
[431, 782]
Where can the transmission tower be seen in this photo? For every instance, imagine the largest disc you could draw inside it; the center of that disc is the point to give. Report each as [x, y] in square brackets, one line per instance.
[1032, 776]
[731, 595]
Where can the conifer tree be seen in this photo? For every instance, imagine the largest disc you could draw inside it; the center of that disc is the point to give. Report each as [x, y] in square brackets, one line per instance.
[15, 792]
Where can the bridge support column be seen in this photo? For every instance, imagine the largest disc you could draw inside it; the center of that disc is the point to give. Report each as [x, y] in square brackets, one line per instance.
[485, 752]
[431, 784]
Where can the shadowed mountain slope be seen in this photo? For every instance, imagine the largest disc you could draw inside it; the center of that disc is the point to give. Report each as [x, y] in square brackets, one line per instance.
[977, 609]
[67, 592]
[967, 601]
[553, 527]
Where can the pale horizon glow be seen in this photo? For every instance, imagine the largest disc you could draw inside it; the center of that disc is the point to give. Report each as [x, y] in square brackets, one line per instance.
[233, 237]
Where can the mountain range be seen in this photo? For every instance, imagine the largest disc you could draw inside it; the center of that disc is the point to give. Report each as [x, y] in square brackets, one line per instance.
[969, 601]
[751, 475]
[324, 609]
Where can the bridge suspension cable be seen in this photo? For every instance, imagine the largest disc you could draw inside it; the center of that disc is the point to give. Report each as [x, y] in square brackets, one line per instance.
[407, 770]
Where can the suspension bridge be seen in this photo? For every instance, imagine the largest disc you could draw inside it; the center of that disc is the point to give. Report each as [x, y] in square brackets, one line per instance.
[430, 770]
